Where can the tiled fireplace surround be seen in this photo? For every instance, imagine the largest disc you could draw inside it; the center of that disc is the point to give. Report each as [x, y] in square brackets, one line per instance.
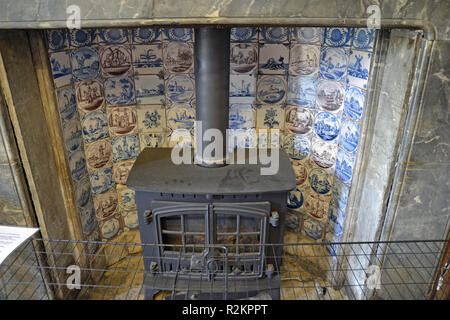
[122, 90]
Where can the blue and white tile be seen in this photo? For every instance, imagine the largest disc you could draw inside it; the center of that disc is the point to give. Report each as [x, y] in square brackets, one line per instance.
[358, 68]
[82, 190]
[333, 64]
[330, 241]
[77, 165]
[90, 95]
[127, 198]
[354, 103]
[273, 58]
[292, 220]
[312, 228]
[180, 118]
[82, 38]
[274, 35]
[271, 89]
[344, 166]
[339, 194]
[304, 60]
[270, 117]
[119, 91]
[335, 220]
[320, 181]
[324, 153]
[243, 58]
[242, 138]
[88, 218]
[330, 96]
[113, 36]
[153, 140]
[151, 118]
[363, 39]
[115, 60]
[72, 135]
[299, 120]
[315, 205]
[349, 136]
[178, 57]
[242, 116]
[125, 147]
[145, 35]
[338, 37]
[244, 34]
[57, 39]
[307, 35]
[178, 34]
[302, 91]
[242, 88]
[180, 89]
[147, 59]
[95, 126]
[295, 200]
[106, 204]
[67, 103]
[296, 146]
[130, 219]
[326, 126]
[85, 63]
[110, 228]
[149, 89]
[61, 69]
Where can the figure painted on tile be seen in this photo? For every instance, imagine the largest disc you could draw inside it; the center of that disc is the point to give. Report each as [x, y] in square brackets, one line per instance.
[299, 120]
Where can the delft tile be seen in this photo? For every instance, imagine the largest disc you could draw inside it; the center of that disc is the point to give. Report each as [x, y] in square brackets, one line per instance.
[115, 61]
[301, 170]
[101, 180]
[320, 181]
[275, 137]
[312, 228]
[344, 166]
[178, 57]
[263, 139]
[270, 117]
[243, 58]
[304, 60]
[83, 196]
[121, 171]
[339, 194]
[363, 39]
[122, 120]
[119, 91]
[90, 95]
[180, 137]
[88, 218]
[296, 146]
[242, 116]
[335, 220]
[127, 199]
[72, 135]
[299, 120]
[354, 103]
[82, 38]
[130, 219]
[292, 220]
[57, 39]
[94, 239]
[180, 89]
[323, 153]
[106, 204]
[330, 96]
[125, 147]
[307, 35]
[85, 63]
[113, 36]
[330, 240]
[62, 73]
[153, 140]
[358, 68]
[338, 37]
[333, 64]
[110, 228]
[178, 34]
[243, 138]
[348, 138]
[244, 34]
[273, 58]
[147, 59]
[326, 126]
[151, 118]
[145, 35]
[242, 88]
[302, 91]
[295, 200]
[77, 165]
[149, 89]
[98, 155]
[316, 205]
[271, 89]
[67, 103]
[95, 126]
[274, 34]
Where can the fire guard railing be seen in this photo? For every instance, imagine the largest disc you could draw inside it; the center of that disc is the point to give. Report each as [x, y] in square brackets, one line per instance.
[70, 269]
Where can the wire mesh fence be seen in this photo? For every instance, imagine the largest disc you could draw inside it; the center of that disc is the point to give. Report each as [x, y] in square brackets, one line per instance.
[69, 269]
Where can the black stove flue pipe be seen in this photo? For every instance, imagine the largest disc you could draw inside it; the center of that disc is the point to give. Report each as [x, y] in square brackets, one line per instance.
[212, 80]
